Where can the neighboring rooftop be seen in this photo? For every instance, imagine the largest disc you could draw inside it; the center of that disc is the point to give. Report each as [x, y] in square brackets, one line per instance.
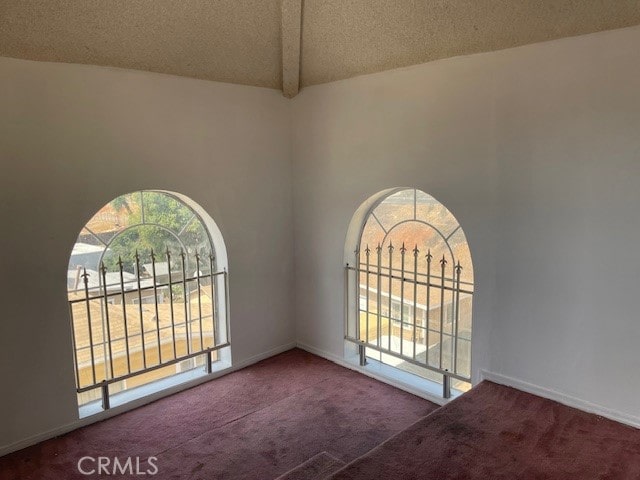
[84, 248]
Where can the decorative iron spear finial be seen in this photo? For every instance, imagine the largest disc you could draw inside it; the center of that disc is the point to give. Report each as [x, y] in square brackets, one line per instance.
[390, 246]
[458, 268]
[120, 264]
[429, 256]
[367, 250]
[416, 251]
[103, 269]
[443, 262]
[153, 256]
[138, 272]
[379, 248]
[403, 249]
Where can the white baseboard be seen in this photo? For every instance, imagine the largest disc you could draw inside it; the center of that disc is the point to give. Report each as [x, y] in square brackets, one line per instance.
[408, 386]
[40, 437]
[562, 398]
[263, 356]
[321, 353]
[105, 414]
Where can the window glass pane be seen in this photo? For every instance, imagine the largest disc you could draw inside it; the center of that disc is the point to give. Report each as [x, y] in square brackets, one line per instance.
[416, 312]
[133, 323]
[90, 237]
[196, 240]
[429, 210]
[464, 319]
[141, 238]
[462, 254]
[118, 213]
[414, 234]
[166, 210]
[86, 252]
[372, 235]
[396, 208]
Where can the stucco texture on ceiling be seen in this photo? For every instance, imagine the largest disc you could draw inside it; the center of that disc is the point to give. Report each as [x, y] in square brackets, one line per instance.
[341, 39]
[240, 41]
[236, 41]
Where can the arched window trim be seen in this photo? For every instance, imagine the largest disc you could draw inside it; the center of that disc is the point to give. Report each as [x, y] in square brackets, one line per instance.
[414, 220]
[218, 281]
[130, 227]
[143, 221]
[379, 198]
[355, 233]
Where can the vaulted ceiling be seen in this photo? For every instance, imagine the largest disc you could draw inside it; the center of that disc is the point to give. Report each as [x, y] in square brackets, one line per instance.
[289, 44]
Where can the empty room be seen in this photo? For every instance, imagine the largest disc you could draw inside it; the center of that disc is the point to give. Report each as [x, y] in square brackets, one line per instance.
[320, 239]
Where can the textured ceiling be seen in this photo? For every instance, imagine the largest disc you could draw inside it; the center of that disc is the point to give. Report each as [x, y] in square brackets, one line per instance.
[239, 41]
[344, 38]
[236, 41]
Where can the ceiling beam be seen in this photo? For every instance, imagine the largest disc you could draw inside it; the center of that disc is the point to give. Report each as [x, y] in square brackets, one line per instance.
[291, 37]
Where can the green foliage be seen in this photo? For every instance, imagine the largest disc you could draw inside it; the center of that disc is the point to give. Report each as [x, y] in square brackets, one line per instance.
[122, 203]
[165, 220]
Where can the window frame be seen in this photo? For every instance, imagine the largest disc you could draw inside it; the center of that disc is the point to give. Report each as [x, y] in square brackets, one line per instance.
[220, 318]
[362, 216]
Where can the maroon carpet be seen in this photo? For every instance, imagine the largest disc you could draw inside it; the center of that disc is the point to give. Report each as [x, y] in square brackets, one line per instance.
[257, 423]
[495, 432]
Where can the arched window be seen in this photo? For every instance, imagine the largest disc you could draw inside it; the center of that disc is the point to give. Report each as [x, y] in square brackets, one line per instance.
[412, 279]
[147, 287]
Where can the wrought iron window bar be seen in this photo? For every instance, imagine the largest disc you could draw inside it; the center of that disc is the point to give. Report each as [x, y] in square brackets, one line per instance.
[421, 275]
[177, 278]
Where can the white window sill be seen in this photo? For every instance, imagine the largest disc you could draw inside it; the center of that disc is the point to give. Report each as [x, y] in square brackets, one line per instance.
[141, 395]
[406, 381]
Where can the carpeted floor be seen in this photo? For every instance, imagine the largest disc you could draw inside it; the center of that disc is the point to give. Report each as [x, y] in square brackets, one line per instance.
[297, 416]
[498, 433]
[257, 423]
[317, 467]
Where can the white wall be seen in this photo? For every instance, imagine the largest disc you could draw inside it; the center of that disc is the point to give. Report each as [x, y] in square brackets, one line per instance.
[536, 151]
[74, 137]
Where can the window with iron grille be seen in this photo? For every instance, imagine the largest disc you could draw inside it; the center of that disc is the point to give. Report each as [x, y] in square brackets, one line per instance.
[147, 295]
[413, 280]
